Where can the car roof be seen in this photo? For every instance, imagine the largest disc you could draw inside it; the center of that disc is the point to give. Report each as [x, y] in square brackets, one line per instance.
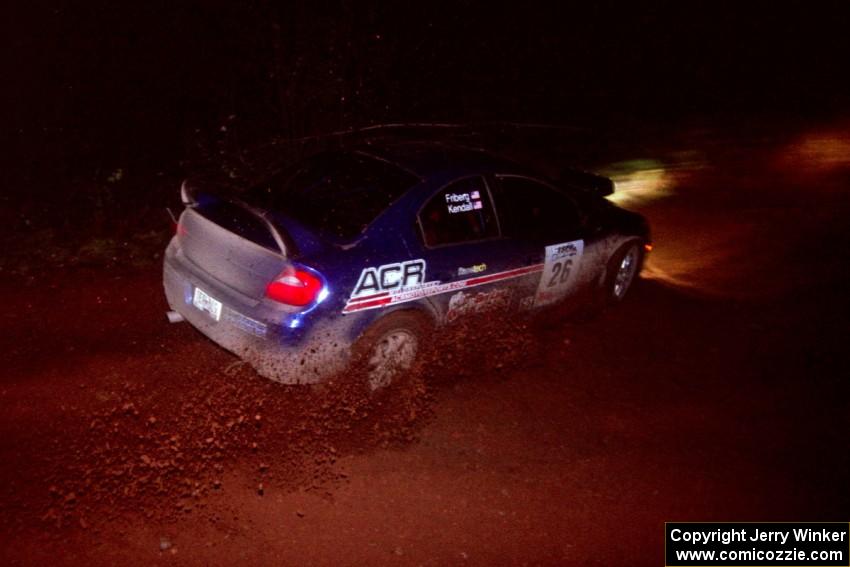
[428, 159]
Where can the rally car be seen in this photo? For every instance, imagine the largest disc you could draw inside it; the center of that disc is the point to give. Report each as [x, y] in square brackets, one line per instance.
[358, 253]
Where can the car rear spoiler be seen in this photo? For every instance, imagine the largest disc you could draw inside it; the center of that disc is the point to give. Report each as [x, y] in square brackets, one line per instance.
[591, 182]
[187, 194]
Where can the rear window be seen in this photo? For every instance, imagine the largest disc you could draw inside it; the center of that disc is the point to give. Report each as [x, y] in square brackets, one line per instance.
[337, 194]
[239, 221]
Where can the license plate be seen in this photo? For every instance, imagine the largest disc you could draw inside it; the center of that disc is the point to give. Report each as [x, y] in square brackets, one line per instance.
[203, 301]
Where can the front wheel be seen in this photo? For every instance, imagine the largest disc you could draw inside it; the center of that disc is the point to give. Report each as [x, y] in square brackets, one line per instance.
[389, 348]
[622, 270]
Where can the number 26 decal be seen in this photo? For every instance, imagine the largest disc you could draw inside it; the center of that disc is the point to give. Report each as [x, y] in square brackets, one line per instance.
[560, 272]
[562, 263]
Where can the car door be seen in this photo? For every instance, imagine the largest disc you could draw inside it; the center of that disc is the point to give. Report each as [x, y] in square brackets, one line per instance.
[545, 224]
[470, 266]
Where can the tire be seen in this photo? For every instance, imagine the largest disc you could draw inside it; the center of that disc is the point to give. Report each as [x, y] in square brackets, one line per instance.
[622, 270]
[389, 348]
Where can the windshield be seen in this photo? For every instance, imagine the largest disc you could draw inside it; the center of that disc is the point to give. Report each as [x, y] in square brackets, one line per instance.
[337, 194]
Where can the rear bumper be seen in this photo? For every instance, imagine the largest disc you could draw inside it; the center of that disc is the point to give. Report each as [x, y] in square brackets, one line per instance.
[275, 351]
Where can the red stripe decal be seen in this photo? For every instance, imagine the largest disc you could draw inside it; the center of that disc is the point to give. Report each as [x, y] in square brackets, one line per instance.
[368, 297]
[385, 298]
[503, 275]
[367, 304]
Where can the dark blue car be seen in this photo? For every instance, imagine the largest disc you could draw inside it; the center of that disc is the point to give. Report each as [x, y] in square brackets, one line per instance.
[360, 253]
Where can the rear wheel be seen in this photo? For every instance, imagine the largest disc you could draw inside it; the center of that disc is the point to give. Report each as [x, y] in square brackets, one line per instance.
[622, 270]
[388, 349]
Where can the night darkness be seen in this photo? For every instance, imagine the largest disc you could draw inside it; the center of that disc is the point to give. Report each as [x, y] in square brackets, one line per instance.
[715, 392]
[110, 83]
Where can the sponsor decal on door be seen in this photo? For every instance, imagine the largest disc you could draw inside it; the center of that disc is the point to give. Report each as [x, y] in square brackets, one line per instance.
[371, 293]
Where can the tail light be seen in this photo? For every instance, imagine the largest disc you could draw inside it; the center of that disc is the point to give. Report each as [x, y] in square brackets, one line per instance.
[294, 287]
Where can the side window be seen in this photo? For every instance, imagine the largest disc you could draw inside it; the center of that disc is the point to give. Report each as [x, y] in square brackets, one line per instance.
[531, 210]
[460, 212]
